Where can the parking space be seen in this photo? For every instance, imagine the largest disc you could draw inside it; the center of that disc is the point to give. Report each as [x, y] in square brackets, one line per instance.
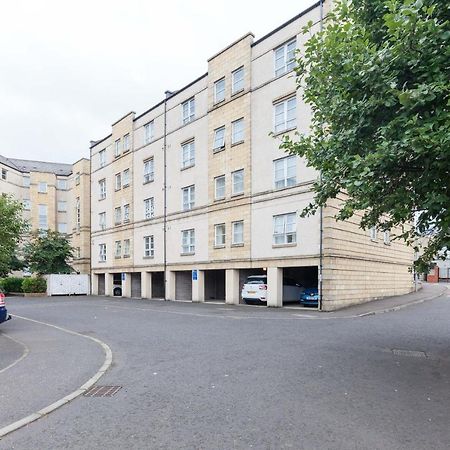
[183, 285]
[158, 288]
[215, 285]
[298, 281]
[136, 290]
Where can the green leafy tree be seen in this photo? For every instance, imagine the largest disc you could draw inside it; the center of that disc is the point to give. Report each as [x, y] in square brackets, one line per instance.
[377, 78]
[48, 252]
[12, 227]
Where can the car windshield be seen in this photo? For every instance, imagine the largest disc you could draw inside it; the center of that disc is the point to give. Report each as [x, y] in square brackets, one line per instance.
[256, 280]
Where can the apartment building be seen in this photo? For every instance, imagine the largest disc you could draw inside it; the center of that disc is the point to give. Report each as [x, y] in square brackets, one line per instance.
[55, 197]
[194, 195]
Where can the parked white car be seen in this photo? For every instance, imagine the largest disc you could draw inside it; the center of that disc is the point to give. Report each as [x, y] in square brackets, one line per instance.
[255, 290]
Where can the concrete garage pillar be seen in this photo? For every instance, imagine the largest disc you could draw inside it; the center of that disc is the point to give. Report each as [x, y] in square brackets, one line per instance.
[274, 287]
[232, 294]
[108, 284]
[126, 285]
[146, 284]
[94, 284]
[198, 286]
[170, 285]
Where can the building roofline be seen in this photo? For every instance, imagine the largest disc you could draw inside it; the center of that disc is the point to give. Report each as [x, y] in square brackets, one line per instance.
[123, 117]
[100, 141]
[285, 24]
[231, 45]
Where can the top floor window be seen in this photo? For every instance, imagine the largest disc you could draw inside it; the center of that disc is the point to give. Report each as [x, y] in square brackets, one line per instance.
[126, 143]
[187, 155]
[102, 158]
[285, 114]
[188, 108]
[4, 174]
[117, 148]
[149, 129]
[237, 80]
[42, 187]
[284, 57]
[219, 91]
[149, 168]
[61, 184]
[26, 181]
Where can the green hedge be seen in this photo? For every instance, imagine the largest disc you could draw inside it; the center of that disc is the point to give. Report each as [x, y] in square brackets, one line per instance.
[11, 284]
[34, 285]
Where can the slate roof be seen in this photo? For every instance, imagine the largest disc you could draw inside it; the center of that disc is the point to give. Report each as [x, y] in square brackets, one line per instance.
[25, 166]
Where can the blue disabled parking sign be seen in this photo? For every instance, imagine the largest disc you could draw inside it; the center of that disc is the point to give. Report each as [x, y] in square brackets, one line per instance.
[123, 276]
[194, 275]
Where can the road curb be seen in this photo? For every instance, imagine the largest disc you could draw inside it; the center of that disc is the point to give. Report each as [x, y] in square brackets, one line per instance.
[68, 398]
[399, 307]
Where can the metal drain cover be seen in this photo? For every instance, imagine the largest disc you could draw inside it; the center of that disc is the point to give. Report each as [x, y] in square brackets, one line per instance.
[102, 391]
[412, 353]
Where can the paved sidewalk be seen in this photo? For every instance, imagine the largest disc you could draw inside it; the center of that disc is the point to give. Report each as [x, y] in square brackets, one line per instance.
[429, 291]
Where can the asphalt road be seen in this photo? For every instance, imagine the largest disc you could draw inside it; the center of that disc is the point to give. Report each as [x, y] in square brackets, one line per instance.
[218, 377]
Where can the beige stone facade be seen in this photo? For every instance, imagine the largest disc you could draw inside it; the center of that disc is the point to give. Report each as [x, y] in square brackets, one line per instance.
[55, 197]
[210, 198]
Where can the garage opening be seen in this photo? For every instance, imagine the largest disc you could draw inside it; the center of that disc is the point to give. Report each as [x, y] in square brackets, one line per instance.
[101, 283]
[183, 285]
[136, 285]
[214, 285]
[117, 285]
[158, 285]
[300, 286]
[251, 296]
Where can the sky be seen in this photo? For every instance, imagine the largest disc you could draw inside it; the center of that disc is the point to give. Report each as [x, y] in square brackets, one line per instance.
[68, 70]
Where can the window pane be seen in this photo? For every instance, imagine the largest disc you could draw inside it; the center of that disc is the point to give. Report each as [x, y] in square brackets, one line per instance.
[237, 131]
[219, 137]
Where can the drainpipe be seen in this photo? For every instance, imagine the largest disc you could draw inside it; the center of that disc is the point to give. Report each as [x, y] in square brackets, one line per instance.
[168, 95]
[321, 208]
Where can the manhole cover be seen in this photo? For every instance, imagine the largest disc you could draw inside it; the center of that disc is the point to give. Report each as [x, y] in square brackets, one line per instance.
[102, 391]
[413, 353]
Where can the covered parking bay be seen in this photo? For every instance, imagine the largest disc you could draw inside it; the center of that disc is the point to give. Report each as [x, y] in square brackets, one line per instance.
[214, 285]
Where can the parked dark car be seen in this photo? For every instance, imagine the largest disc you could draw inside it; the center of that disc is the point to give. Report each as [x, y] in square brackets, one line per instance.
[310, 297]
[4, 316]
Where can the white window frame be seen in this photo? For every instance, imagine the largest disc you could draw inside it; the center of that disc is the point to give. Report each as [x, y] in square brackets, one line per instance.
[102, 220]
[237, 131]
[219, 138]
[126, 248]
[188, 154]
[149, 130]
[78, 213]
[188, 111]
[102, 252]
[219, 235]
[126, 143]
[285, 227]
[117, 149]
[102, 188]
[117, 249]
[285, 172]
[234, 233]
[219, 91]
[149, 208]
[43, 216]
[4, 174]
[149, 170]
[42, 187]
[27, 204]
[62, 225]
[234, 185]
[118, 181]
[284, 57]
[285, 115]
[102, 158]
[126, 178]
[62, 206]
[27, 182]
[237, 84]
[387, 237]
[188, 197]
[188, 241]
[149, 246]
[216, 187]
[61, 184]
[77, 179]
[126, 213]
[118, 215]
[373, 234]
